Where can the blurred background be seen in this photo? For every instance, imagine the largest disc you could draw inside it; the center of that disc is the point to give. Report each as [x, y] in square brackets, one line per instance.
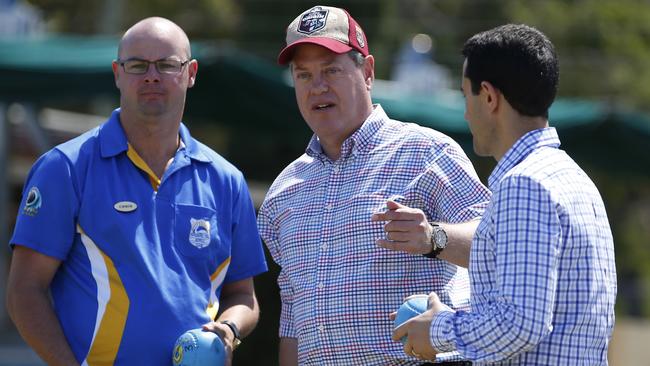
[56, 82]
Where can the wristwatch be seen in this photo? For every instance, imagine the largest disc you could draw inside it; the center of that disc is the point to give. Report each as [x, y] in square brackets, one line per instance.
[438, 240]
[235, 331]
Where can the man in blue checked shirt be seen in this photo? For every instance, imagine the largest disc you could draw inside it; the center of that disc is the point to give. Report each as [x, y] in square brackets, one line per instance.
[336, 284]
[542, 271]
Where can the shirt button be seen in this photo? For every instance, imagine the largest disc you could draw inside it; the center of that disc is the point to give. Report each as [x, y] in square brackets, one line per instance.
[324, 246]
[320, 285]
[328, 206]
[336, 169]
[321, 328]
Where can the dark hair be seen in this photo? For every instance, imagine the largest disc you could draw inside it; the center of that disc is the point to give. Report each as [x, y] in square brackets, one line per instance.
[518, 60]
[357, 57]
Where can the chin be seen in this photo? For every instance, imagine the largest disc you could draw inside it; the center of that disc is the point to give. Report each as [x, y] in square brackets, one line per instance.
[480, 151]
[152, 110]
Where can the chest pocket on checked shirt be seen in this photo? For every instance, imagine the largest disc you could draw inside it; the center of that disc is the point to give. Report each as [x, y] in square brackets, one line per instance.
[195, 231]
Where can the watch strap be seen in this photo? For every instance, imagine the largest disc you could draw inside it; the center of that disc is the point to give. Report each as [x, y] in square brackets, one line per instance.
[433, 253]
[235, 331]
[435, 250]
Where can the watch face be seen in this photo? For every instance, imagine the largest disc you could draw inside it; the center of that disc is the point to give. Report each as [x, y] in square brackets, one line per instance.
[440, 237]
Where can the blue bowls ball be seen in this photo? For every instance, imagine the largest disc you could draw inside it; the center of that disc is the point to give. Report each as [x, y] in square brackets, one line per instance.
[196, 347]
[410, 308]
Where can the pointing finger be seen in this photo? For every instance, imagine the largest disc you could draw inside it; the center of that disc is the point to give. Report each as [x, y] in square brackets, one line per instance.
[392, 205]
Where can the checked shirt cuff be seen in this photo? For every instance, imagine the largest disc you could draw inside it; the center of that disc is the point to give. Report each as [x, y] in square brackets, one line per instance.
[442, 331]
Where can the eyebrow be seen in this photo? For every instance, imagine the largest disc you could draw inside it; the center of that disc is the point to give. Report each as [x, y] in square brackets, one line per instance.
[322, 64]
[173, 57]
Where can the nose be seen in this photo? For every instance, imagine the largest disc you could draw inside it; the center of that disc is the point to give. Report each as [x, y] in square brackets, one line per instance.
[319, 85]
[152, 75]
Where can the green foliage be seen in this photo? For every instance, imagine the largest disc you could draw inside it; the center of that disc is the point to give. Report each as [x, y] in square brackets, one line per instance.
[199, 18]
[604, 46]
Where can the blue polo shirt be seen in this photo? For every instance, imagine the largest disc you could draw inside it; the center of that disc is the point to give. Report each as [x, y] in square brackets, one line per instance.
[141, 262]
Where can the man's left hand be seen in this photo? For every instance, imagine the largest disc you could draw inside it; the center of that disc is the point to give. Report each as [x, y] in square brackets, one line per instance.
[417, 331]
[224, 332]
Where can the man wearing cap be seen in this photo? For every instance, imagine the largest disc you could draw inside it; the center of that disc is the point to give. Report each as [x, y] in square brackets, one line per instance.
[337, 285]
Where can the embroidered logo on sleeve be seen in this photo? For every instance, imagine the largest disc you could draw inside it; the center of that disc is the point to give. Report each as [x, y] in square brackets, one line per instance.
[200, 233]
[33, 202]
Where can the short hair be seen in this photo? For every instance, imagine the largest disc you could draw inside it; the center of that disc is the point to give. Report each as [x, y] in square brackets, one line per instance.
[520, 61]
[357, 57]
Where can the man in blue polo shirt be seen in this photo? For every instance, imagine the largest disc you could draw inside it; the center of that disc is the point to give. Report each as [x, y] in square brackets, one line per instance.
[138, 231]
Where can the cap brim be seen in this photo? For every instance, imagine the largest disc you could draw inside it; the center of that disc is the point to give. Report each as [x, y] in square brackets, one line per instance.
[333, 45]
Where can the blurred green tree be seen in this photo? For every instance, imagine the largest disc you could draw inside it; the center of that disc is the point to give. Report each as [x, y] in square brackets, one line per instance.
[604, 46]
[199, 18]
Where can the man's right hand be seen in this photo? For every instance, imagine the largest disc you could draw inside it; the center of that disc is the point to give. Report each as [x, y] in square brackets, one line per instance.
[407, 229]
[30, 308]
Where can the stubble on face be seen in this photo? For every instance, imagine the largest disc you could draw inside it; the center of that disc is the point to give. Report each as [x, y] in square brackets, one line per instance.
[153, 94]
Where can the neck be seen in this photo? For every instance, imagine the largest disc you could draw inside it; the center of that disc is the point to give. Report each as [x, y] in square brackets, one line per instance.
[156, 141]
[332, 144]
[514, 126]
[331, 149]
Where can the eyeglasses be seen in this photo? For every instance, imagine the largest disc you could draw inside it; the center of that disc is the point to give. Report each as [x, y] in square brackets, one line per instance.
[139, 67]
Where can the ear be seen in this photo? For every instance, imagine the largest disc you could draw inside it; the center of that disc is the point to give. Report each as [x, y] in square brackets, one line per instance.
[116, 68]
[369, 71]
[192, 69]
[491, 95]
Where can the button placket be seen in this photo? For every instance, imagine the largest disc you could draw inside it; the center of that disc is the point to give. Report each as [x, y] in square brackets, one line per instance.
[323, 263]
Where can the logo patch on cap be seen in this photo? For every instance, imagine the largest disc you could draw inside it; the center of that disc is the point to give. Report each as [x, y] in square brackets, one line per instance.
[314, 20]
[360, 41]
[33, 202]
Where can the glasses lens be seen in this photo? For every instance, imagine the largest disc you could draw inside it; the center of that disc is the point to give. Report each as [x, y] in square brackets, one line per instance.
[136, 66]
[168, 66]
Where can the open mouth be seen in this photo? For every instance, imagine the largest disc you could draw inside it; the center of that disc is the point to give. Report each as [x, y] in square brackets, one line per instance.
[322, 106]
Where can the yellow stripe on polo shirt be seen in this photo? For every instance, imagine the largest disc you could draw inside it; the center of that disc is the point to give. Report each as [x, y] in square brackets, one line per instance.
[112, 309]
[140, 163]
[216, 279]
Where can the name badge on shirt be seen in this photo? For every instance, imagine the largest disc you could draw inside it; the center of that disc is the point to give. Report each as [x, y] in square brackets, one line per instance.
[125, 206]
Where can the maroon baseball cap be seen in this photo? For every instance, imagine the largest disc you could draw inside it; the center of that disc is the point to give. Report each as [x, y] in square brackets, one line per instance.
[332, 28]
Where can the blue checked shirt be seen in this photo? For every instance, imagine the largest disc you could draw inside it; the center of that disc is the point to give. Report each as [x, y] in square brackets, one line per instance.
[541, 267]
[337, 286]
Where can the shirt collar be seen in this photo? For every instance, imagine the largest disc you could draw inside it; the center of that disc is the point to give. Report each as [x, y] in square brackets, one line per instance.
[535, 139]
[112, 139]
[192, 148]
[358, 141]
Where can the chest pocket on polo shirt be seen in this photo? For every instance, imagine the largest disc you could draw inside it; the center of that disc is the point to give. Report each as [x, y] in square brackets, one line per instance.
[195, 231]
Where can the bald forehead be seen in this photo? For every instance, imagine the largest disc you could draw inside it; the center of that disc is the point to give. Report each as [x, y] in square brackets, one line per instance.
[154, 33]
